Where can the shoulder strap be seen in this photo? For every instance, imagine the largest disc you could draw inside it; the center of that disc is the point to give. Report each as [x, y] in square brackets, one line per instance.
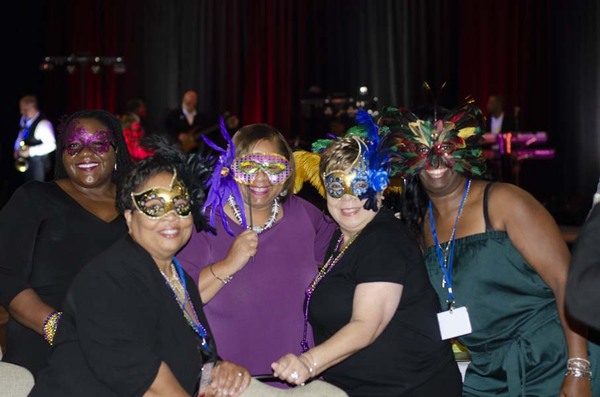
[486, 215]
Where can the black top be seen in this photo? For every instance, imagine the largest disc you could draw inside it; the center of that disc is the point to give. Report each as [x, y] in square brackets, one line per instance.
[45, 239]
[120, 321]
[410, 351]
[583, 282]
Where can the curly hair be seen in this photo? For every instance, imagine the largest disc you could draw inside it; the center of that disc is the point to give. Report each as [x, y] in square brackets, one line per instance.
[111, 122]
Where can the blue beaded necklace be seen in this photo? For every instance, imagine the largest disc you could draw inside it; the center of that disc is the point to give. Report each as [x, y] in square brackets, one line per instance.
[191, 318]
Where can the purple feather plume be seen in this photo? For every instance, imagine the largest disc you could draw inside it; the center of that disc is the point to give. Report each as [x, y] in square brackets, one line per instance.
[222, 184]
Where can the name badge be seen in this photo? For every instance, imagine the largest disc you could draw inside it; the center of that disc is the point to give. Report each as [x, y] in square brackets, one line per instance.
[454, 322]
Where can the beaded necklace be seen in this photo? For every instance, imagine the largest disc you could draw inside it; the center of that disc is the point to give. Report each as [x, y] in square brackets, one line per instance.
[237, 213]
[327, 267]
[177, 285]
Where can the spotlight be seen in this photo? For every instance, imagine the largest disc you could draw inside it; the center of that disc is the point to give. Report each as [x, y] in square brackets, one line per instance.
[363, 90]
[96, 66]
[119, 66]
[47, 65]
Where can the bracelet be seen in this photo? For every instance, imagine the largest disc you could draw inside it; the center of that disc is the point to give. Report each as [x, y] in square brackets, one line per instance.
[50, 325]
[311, 365]
[223, 280]
[579, 368]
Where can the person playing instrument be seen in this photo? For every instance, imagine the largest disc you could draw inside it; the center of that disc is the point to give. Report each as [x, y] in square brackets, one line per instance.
[494, 252]
[49, 230]
[183, 123]
[35, 144]
[268, 245]
[133, 323]
[371, 307]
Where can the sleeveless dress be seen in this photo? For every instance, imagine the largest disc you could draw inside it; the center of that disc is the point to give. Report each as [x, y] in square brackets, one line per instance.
[517, 345]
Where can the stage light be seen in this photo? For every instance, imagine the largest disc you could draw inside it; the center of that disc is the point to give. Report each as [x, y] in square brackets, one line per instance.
[363, 90]
[47, 65]
[97, 65]
[119, 66]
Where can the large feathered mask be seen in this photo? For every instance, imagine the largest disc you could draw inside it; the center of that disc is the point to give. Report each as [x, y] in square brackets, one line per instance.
[454, 140]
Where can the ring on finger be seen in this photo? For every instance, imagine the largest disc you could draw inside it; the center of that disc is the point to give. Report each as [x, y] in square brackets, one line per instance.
[294, 375]
[240, 374]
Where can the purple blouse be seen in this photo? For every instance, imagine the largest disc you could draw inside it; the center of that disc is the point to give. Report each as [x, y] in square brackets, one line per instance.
[258, 316]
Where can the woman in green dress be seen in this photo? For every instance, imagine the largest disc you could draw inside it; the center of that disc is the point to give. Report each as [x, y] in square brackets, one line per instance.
[496, 259]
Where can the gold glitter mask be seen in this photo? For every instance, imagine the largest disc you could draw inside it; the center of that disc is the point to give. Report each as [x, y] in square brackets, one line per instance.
[158, 201]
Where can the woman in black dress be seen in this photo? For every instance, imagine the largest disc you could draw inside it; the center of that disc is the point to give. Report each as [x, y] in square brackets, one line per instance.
[133, 322]
[371, 307]
[49, 230]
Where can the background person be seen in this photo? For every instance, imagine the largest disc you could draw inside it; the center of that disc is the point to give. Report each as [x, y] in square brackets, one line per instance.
[371, 307]
[268, 244]
[48, 231]
[133, 322]
[35, 143]
[183, 125]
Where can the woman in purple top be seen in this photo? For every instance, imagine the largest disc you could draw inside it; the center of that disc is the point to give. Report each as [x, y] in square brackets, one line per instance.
[267, 248]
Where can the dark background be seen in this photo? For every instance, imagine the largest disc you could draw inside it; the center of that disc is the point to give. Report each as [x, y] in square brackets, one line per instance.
[257, 58]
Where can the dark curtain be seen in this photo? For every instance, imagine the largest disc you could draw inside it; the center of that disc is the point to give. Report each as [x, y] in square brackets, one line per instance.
[257, 58]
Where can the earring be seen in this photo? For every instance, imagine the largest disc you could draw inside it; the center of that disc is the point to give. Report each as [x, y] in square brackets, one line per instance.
[115, 167]
[283, 193]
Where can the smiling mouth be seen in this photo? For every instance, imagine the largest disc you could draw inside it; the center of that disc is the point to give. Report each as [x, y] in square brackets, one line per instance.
[169, 233]
[437, 172]
[87, 166]
[259, 190]
[349, 211]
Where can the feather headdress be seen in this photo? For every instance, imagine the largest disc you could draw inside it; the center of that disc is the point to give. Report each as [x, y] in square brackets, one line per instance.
[453, 140]
[376, 151]
[222, 184]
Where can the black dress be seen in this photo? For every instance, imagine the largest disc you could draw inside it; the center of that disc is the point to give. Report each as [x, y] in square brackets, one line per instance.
[120, 321]
[408, 358]
[45, 239]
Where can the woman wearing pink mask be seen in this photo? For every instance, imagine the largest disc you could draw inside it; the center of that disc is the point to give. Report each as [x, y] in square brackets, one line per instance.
[49, 230]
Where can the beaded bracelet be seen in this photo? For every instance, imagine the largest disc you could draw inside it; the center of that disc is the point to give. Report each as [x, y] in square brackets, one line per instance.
[50, 325]
[223, 280]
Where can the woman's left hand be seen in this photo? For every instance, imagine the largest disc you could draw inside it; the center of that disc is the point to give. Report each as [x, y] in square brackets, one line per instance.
[576, 387]
[228, 379]
[291, 369]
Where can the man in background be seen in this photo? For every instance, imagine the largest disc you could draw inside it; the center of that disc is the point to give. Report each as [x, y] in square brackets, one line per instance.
[183, 125]
[498, 120]
[35, 145]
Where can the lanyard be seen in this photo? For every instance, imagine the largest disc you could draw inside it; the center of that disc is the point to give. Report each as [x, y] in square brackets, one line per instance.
[446, 262]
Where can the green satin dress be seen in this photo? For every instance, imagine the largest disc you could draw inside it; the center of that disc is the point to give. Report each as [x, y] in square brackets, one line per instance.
[517, 345]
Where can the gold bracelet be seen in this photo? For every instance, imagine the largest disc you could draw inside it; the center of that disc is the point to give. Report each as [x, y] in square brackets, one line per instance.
[223, 280]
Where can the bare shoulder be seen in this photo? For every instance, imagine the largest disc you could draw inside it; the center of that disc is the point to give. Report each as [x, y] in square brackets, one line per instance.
[510, 203]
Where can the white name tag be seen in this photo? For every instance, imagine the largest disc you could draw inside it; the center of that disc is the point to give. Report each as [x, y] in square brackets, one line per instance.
[454, 322]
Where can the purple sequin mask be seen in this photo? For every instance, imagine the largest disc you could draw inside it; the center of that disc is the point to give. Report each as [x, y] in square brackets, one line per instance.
[78, 138]
[275, 166]
[158, 201]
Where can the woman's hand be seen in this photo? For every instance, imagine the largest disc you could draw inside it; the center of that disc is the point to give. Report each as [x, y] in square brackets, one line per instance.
[228, 379]
[243, 248]
[291, 369]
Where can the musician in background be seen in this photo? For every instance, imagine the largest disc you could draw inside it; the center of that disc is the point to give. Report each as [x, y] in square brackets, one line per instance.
[498, 119]
[182, 124]
[35, 143]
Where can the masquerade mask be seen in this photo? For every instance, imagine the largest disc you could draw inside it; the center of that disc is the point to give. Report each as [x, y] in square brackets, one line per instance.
[275, 166]
[353, 181]
[453, 141]
[158, 201]
[79, 138]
